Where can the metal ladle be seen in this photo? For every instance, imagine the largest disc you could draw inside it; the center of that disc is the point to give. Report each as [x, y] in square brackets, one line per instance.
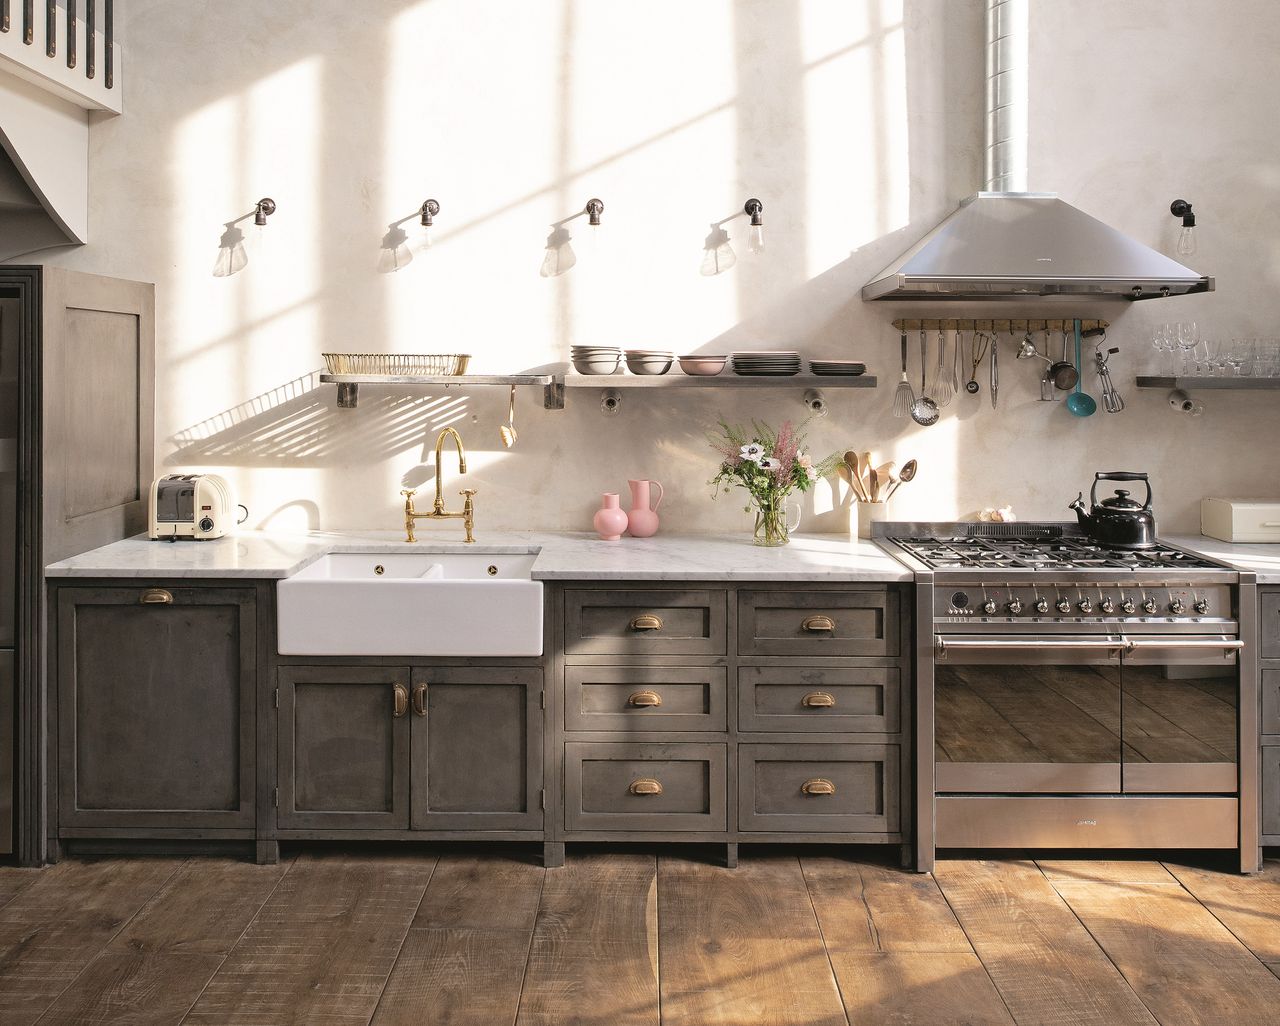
[924, 411]
[1027, 351]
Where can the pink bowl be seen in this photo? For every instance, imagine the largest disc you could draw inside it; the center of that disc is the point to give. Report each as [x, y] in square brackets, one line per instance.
[703, 366]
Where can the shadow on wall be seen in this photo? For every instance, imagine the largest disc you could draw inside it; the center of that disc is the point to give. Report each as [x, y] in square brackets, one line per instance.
[298, 424]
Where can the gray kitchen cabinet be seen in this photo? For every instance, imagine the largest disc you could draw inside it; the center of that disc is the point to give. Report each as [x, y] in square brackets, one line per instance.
[1269, 622]
[818, 788]
[477, 748]
[156, 723]
[343, 748]
[647, 621]
[633, 699]
[645, 787]
[822, 699]
[859, 620]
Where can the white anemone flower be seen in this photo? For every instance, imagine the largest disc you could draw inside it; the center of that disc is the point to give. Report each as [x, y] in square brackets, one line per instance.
[753, 452]
[770, 464]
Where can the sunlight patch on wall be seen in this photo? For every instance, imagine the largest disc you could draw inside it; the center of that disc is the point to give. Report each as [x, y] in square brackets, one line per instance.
[856, 164]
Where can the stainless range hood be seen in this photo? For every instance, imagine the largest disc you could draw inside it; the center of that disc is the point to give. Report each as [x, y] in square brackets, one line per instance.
[1012, 244]
[1020, 245]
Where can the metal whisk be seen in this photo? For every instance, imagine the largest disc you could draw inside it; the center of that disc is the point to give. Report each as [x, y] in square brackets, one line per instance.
[942, 391]
[903, 397]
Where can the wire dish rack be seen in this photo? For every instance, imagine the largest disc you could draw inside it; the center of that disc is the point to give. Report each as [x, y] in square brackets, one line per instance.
[425, 364]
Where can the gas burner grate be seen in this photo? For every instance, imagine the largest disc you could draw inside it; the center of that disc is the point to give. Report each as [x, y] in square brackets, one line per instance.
[1040, 548]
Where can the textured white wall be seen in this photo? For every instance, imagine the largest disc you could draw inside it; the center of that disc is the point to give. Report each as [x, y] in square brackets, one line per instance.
[858, 124]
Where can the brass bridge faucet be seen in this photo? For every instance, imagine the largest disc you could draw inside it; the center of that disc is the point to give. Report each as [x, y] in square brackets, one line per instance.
[438, 512]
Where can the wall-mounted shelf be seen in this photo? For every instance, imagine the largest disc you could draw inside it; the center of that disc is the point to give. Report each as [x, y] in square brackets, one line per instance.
[1188, 384]
[349, 384]
[720, 381]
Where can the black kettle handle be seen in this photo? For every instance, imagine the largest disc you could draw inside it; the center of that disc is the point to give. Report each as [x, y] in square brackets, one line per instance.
[1119, 475]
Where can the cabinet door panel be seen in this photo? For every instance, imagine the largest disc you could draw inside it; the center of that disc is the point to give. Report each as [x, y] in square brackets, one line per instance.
[806, 699]
[855, 621]
[343, 752]
[818, 788]
[651, 622]
[1269, 617]
[156, 711]
[477, 748]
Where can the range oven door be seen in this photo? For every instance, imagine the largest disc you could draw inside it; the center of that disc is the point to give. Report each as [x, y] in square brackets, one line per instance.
[1180, 715]
[1028, 715]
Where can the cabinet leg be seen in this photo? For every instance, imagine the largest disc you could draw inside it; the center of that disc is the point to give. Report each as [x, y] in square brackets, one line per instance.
[266, 853]
[907, 855]
[731, 855]
[553, 854]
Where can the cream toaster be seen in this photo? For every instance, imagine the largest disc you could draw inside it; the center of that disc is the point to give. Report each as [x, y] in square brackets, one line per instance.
[192, 506]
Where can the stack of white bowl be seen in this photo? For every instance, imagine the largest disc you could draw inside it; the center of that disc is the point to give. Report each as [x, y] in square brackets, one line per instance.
[649, 361]
[596, 359]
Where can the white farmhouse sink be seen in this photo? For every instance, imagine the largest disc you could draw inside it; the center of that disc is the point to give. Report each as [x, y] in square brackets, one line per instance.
[412, 604]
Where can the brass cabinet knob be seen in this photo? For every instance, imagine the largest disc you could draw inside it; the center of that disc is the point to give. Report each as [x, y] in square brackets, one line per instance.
[645, 699]
[818, 623]
[818, 785]
[156, 597]
[818, 699]
[646, 622]
[400, 699]
[645, 785]
[420, 699]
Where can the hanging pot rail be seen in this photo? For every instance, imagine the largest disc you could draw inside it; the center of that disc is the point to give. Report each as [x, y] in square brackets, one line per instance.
[999, 325]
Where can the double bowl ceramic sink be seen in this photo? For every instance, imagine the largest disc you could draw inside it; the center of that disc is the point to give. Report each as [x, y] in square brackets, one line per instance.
[419, 603]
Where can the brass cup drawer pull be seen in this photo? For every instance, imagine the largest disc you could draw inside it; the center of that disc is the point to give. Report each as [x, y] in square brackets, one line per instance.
[400, 700]
[818, 624]
[420, 699]
[645, 699]
[818, 785]
[156, 597]
[646, 622]
[645, 785]
[818, 700]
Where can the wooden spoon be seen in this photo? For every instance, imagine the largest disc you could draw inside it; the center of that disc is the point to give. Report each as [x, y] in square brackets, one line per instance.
[855, 475]
[874, 491]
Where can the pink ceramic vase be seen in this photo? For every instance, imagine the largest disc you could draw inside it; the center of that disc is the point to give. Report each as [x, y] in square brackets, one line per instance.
[610, 519]
[642, 519]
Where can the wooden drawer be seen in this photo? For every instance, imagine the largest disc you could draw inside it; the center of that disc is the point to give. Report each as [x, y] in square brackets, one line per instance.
[1271, 790]
[1269, 684]
[1269, 626]
[605, 784]
[850, 622]
[857, 700]
[634, 698]
[644, 622]
[816, 788]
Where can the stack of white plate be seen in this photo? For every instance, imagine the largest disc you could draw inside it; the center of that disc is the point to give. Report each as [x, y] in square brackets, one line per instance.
[848, 368]
[777, 364]
[596, 359]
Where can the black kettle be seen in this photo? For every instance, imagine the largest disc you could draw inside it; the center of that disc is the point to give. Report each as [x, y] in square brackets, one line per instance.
[1119, 522]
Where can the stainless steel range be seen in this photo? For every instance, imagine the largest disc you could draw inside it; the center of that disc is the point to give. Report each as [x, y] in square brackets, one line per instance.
[1071, 695]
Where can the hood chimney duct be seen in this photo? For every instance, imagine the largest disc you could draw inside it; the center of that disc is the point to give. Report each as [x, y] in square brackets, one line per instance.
[1007, 118]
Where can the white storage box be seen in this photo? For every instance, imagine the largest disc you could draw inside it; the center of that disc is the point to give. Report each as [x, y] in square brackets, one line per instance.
[1240, 520]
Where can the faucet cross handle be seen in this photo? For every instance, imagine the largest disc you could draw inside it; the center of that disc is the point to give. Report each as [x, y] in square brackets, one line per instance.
[408, 493]
[468, 492]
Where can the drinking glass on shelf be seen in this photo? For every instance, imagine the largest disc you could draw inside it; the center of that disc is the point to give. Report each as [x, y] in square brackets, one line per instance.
[1215, 357]
[1268, 357]
[1241, 357]
[1163, 341]
[1188, 339]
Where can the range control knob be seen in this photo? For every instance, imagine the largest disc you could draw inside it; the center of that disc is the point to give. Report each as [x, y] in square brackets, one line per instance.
[1108, 607]
[1085, 606]
[1064, 605]
[1014, 606]
[1042, 606]
[1149, 606]
[1127, 607]
[206, 524]
[1201, 607]
[989, 607]
[1176, 607]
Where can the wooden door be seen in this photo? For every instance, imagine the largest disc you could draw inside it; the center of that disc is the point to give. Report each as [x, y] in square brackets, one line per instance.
[477, 748]
[156, 707]
[343, 748]
[99, 409]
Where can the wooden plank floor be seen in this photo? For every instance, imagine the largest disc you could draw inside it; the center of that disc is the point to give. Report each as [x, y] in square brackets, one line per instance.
[785, 939]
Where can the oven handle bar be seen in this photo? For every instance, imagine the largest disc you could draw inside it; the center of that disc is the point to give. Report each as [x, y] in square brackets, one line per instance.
[1122, 643]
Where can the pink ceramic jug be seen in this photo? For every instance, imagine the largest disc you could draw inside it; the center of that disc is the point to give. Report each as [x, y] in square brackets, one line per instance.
[610, 519]
[642, 520]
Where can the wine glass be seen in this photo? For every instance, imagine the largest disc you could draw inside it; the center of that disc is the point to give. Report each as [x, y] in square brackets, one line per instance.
[1163, 341]
[1188, 339]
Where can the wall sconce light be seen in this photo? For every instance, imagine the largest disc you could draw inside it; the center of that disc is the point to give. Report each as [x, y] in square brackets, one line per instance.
[1187, 234]
[232, 257]
[396, 252]
[717, 254]
[559, 255]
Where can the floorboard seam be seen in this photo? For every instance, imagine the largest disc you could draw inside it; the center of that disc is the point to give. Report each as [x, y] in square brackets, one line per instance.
[973, 947]
[98, 954]
[231, 947]
[382, 991]
[1097, 943]
[1225, 925]
[528, 954]
[862, 891]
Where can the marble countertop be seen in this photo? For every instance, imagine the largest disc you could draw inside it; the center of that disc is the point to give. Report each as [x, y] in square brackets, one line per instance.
[1263, 559]
[258, 555]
